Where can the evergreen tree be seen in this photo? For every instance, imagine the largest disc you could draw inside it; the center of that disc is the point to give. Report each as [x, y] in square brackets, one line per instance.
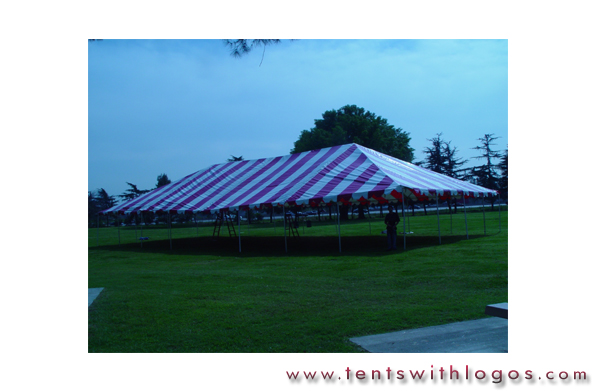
[104, 200]
[486, 174]
[452, 163]
[504, 179]
[441, 158]
[235, 158]
[162, 180]
[132, 193]
[435, 159]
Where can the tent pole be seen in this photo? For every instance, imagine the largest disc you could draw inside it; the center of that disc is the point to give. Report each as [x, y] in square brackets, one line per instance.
[403, 213]
[369, 226]
[338, 227]
[118, 223]
[170, 221]
[463, 196]
[284, 217]
[141, 227]
[499, 198]
[483, 214]
[98, 230]
[438, 219]
[239, 238]
[451, 214]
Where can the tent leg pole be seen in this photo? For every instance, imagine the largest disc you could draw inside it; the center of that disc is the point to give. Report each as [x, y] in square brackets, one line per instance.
[239, 236]
[369, 226]
[438, 219]
[285, 235]
[170, 221]
[98, 230]
[338, 227]
[118, 223]
[499, 198]
[465, 215]
[403, 213]
[483, 215]
[451, 214]
[141, 228]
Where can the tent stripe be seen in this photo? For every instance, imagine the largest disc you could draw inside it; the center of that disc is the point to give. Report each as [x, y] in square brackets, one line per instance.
[194, 187]
[306, 192]
[361, 181]
[147, 200]
[306, 172]
[337, 178]
[285, 172]
[217, 184]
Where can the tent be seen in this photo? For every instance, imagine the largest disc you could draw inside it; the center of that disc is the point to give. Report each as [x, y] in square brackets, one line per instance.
[345, 174]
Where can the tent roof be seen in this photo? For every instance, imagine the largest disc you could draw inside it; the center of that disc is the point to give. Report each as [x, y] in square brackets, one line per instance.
[346, 173]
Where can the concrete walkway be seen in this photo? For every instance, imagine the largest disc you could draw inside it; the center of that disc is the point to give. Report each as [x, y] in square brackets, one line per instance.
[474, 336]
[93, 293]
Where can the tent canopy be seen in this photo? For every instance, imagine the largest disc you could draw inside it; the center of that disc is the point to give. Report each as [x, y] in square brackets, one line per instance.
[347, 173]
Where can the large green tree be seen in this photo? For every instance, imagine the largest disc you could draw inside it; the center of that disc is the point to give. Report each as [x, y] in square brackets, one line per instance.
[353, 124]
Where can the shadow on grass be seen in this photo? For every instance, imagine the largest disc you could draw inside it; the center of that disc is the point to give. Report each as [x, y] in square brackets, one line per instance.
[297, 246]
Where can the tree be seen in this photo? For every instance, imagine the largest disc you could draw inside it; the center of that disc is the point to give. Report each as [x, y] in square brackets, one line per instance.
[92, 209]
[162, 180]
[435, 159]
[352, 124]
[441, 158]
[504, 179]
[99, 201]
[132, 193]
[486, 174]
[453, 164]
[240, 47]
[235, 158]
[104, 200]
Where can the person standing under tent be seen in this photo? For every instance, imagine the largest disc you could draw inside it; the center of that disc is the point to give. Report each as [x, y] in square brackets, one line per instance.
[391, 221]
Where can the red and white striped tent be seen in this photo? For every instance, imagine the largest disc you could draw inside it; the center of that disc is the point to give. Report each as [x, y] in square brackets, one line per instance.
[344, 174]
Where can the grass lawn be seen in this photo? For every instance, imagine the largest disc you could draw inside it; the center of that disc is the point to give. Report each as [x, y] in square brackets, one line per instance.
[206, 296]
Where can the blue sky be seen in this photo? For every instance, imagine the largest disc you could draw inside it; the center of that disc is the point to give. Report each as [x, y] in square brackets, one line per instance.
[177, 106]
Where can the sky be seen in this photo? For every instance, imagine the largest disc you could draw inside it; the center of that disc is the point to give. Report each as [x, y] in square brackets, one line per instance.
[178, 106]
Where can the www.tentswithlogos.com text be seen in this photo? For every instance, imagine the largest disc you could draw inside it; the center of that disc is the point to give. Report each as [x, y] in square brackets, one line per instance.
[438, 374]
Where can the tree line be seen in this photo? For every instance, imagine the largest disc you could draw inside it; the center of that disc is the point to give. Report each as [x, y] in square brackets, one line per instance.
[100, 199]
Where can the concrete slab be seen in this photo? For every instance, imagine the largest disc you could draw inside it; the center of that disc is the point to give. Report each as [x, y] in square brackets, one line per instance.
[488, 335]
[93, 293]
[501, 310]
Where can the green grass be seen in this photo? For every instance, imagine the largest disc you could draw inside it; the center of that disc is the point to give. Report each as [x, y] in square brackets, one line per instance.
[206, 296]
